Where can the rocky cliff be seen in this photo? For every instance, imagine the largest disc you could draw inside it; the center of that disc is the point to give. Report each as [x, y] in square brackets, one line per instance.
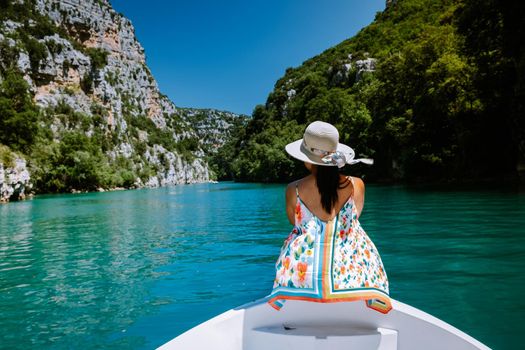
[14, 177]
[97, 102]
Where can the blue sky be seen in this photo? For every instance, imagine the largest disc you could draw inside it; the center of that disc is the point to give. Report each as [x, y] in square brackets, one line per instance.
[228, 54]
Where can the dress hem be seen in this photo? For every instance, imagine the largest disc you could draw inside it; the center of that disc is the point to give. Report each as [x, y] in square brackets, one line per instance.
[368, 299]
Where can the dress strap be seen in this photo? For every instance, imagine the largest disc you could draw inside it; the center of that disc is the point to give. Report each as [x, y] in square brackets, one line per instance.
[297, 189]
[351, 179]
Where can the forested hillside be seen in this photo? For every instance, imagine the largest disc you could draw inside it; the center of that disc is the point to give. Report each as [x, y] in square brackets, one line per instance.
[432, 90]
[80, 109]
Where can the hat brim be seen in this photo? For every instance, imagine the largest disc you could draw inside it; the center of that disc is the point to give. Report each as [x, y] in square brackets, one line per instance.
[297, 150]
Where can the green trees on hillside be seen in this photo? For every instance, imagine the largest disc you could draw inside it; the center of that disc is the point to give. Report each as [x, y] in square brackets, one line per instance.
[262, 156]
[421, 101]
[494, 43]
[445, 101]
[444, 98]
[18, 115]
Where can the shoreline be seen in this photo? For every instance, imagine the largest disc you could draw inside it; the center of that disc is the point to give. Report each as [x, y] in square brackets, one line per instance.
[435, 185]
[32, 195]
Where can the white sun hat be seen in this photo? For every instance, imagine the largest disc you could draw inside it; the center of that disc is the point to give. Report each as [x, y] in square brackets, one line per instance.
[320, 145]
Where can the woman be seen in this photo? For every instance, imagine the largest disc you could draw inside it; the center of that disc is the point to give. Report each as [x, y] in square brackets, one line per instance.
[327, 257]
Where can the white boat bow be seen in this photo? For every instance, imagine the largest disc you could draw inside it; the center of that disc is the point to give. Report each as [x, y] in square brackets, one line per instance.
[305, 325]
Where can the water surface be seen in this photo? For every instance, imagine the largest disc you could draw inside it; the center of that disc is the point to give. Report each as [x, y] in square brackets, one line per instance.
[133, 269]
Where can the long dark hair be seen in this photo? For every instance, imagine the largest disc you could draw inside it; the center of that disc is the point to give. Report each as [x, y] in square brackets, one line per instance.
[328, 182]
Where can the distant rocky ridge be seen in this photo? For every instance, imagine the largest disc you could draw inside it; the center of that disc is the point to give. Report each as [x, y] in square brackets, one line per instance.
[213, 127]
[91, 77]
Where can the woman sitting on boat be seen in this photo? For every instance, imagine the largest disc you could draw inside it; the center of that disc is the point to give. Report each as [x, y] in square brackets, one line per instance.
[327, 257]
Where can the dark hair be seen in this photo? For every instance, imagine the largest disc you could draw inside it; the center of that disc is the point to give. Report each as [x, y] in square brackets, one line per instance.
[328, 182]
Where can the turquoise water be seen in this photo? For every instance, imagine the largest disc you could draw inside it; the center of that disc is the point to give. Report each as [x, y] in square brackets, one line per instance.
[133, 269]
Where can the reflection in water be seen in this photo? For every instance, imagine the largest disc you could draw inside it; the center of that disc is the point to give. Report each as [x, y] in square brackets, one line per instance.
[133, 269]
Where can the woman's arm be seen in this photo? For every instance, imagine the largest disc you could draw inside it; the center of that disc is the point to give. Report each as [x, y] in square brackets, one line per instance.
[291, 202]
[359, 195]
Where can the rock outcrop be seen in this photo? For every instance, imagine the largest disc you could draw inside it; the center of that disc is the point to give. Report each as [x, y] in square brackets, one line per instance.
[93, 68]
[124, 79]
[14, 180]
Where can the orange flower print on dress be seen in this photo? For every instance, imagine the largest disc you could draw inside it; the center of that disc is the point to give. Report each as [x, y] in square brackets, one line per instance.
[286, 263]
[301, 270]
[298, 214]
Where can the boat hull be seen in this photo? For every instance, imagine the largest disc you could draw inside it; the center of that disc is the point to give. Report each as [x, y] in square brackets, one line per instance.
[307, 325]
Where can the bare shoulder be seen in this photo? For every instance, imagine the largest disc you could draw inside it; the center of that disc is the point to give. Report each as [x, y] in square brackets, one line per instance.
[358, 182]
[359, 186]
[290, 201]
[291, 187]
[359, 194]
[290, 192]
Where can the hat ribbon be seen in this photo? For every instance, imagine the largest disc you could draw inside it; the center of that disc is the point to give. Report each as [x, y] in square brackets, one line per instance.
[337, 158]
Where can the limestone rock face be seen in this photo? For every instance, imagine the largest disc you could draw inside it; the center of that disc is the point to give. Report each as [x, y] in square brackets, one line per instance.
[175, 170]
[366, 65]
[125, 79]
[212, 127]
[95, 66]
[14, 180]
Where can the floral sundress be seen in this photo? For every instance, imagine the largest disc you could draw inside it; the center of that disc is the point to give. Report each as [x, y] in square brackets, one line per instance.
[329, 261]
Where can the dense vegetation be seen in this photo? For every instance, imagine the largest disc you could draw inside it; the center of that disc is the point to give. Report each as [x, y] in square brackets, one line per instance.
[75, 160]
[66, 149]
[445, 101]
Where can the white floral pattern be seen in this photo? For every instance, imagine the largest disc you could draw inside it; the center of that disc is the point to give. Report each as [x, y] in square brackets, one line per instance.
[340, 249]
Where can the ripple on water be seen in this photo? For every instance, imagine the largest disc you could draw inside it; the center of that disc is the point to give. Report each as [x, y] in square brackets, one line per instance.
[132, 269]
